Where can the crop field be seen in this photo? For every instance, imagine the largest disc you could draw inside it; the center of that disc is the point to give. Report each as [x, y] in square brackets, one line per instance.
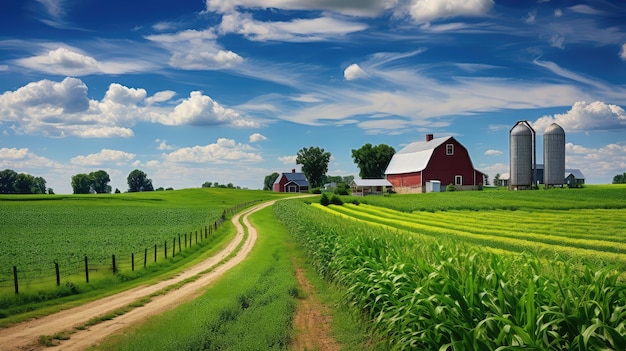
[470, 273]
[39, 230]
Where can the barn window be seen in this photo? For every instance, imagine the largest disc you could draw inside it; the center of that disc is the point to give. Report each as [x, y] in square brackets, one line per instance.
[449, 149]
[458, 180]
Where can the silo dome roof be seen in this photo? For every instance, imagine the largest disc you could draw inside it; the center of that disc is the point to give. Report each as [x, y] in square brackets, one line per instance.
[554, 129]
[521, 129]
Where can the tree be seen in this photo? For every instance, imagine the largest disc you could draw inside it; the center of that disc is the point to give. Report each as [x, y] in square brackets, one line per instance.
[620, 179]
[314, 163]
[100, 182]
[496, 180]
[7, 181]
[373, 160]
[207, 184]
[81, 183]
[268, 182]
[138, 181]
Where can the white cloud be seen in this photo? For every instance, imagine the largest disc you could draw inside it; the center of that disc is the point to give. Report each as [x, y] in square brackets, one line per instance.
[288, 160]
[558, 13]
[71, 62]
[200, 109]
[105, 156]
[353, 72]
[61, 109]
[196, 50]
[557, 41]
[223, 151]
[367, 8]
[163, 145]
[584, 117]
[597, 163]
[492, 152]
[18, 159]
[256, 137]
[423, 11]
[622, 53]
[297, 30]
[4, 67]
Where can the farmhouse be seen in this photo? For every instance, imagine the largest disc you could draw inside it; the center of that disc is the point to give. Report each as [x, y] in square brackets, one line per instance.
[291, 183]
[362, 187]
[435, 159]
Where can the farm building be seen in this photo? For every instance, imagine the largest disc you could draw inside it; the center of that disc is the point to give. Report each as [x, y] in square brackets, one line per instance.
[292, 182]
[572, 177]
[362, 187]
[435, 159]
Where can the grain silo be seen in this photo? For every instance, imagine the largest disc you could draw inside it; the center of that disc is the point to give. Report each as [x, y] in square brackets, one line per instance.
[554, 156]
[522, 156]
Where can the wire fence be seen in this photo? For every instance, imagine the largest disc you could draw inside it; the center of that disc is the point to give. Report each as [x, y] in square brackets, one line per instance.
[14, 277]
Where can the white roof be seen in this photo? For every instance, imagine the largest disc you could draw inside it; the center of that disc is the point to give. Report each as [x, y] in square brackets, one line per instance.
[371, 182]
[414, 157]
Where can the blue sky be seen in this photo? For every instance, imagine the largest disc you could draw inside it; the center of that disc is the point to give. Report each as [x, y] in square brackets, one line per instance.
[229, 90]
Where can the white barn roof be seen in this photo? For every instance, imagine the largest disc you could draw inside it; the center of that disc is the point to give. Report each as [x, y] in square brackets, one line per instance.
[414, 157]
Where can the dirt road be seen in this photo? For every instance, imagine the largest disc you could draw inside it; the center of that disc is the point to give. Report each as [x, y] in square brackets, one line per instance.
[24, 336]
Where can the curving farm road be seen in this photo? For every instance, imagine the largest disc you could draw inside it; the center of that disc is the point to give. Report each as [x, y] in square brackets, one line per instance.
[24, 336]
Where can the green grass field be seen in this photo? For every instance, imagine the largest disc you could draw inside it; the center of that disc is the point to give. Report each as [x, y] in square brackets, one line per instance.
[39, 230]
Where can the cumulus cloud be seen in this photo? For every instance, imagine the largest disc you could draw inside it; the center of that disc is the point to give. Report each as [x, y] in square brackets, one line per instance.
[288, 160]
[163, 145]
[297, 30]
[200, 109]
[71, 62]
[558, 13]
[602, 162]
[622, 53]
[222, 151]
[531, 17]
[423, 11]
[61, 109]
[492, 152]
[583, 117]
[256, 137]
[22, 158]
[196, 50]
[353, 72]
[105, 156]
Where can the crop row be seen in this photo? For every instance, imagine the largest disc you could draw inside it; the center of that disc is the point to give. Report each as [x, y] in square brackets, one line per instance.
[437, 293]
[508, 233]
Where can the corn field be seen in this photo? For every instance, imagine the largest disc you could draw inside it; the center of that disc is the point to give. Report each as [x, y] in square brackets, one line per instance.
[431, 289]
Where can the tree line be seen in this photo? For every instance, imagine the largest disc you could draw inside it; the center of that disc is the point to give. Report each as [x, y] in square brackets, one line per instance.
[372, 162]
[12, 182]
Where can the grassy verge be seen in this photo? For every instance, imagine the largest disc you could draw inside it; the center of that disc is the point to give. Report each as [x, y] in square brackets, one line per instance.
[250, 307]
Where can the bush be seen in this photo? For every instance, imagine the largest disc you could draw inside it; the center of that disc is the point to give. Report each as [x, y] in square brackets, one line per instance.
[315, 191]
[324, 201]
[342, 189]
[451, 187]
[335, 200]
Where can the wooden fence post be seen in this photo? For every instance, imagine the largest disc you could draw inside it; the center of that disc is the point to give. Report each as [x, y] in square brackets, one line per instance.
[132, 261]
[165, 248]
[185, 240]
[113, 261]
[56, 270]
[154, 252]
[86, 270]
[17, 288]
[196, 237]
[179, 246]
[145, 257]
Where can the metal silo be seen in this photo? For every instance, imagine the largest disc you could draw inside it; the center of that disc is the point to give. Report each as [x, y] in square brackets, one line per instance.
[554, 156]
[522, 156]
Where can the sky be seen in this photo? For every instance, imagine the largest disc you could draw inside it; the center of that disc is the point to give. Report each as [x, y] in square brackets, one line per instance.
[228, 91]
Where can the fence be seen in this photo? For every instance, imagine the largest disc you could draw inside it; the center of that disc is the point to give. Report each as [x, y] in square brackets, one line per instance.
[149, 255]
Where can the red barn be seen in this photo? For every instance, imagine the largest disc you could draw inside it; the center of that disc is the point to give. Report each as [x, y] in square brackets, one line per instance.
[291, 183]
[441, 159]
